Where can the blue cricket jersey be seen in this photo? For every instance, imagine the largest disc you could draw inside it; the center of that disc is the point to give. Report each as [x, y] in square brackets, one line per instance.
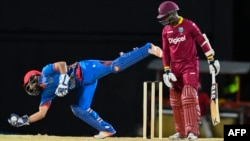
[83, 73]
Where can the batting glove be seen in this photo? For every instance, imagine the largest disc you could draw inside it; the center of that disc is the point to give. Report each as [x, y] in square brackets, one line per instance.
[62, 88]
[168, 78]
[214, 66]
[17, 121]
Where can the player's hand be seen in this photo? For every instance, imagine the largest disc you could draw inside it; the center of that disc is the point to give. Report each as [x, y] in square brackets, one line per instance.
[155, 50]
[214, 65]
[62, 88]
[168, 78]
[17, 121]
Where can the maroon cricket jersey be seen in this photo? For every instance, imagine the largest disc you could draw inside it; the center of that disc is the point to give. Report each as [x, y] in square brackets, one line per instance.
[179, 42]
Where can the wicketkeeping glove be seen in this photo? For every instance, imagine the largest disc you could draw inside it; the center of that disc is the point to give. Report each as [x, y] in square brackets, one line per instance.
[62, 88]
[214, 65]
[168, 76]
[17, 121]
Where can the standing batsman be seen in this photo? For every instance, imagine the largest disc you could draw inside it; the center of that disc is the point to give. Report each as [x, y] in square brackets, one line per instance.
[58, 79]
[181, 68]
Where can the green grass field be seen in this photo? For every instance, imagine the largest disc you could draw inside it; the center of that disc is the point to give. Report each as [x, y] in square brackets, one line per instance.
[69, 138]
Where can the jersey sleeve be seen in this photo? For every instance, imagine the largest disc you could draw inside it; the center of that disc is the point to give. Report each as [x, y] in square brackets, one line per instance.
[165, 50]
[202, 41]
[48, 70]
[48, 79]
[47, 95]
[46, 103]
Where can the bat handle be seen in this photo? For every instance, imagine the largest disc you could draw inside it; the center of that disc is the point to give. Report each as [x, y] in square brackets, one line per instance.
[213, 77]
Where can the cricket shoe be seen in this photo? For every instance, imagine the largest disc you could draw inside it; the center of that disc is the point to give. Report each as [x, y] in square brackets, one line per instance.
[176, 137]
[103, 134]
[155, 50]
[191, 137]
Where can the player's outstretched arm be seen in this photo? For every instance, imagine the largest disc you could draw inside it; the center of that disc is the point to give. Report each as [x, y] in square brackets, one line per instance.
[39, 115]
[18, 121]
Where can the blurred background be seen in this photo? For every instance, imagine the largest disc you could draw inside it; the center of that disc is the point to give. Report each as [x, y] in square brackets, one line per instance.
[34, 33]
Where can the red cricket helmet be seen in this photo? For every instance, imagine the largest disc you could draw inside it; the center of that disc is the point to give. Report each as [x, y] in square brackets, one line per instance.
[28, 79]
[166, 7]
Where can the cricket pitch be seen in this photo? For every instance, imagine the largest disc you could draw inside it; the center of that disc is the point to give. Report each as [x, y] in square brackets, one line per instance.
[4, 137]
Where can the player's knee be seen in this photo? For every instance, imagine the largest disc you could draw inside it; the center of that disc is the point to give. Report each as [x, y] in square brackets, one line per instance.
[175, 98]
[189, 95]
[77, 111]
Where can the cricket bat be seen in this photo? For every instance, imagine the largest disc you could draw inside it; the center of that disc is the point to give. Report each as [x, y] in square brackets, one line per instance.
[214, 105]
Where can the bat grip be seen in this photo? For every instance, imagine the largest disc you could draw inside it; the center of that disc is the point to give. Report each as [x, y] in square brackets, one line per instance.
[213, 77]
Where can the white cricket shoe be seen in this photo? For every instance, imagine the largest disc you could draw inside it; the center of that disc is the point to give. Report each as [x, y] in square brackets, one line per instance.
[175, 136]
[103, 134]
[191, 137]
[155, 50]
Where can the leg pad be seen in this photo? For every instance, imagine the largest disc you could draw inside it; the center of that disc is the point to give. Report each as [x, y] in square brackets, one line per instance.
[191, 110]
[175, 102]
